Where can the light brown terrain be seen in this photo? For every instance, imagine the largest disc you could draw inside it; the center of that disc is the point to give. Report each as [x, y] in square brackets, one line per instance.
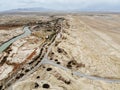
[65, 52]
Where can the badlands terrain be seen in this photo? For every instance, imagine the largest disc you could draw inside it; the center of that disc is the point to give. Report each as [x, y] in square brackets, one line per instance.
[60, 52]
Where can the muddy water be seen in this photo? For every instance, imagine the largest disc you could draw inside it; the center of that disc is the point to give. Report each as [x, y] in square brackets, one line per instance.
[9, 42]
[47, 61]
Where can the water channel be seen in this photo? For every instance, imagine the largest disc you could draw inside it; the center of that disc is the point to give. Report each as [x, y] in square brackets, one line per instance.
[5, 45]
[27, 32]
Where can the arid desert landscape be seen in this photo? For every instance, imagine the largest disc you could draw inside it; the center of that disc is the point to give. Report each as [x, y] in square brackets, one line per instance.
[60, 51]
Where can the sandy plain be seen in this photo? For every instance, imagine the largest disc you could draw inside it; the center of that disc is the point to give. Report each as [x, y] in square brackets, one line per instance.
[84, 54]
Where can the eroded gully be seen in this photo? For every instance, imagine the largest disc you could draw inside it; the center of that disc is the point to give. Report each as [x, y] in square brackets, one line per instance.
[45, 60]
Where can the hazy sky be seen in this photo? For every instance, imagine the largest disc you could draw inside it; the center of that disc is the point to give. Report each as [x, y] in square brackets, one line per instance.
[62, 4]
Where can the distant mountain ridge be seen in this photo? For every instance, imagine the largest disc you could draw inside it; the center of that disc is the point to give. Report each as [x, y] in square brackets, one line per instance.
[91, 8]
[36, 9]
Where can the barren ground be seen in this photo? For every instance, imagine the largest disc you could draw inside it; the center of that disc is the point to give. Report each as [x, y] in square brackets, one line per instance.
[65, 52]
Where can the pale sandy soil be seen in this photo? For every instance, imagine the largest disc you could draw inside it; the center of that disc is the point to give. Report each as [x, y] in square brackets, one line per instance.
[91, 46]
